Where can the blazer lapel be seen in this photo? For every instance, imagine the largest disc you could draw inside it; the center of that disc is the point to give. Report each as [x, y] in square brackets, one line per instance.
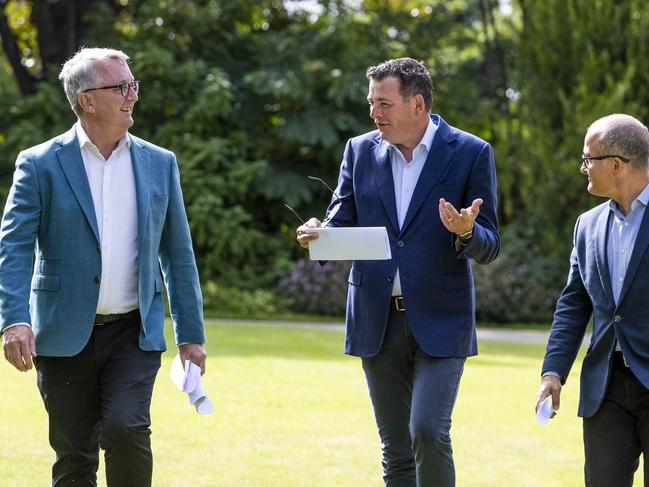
[69, 155]
[141, 170]
[439, 157]
[384, 181]
[639, 249]
[600, 241]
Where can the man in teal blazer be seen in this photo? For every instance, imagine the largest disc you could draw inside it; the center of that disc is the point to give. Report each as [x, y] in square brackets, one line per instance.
[608, 284]
[99, 214]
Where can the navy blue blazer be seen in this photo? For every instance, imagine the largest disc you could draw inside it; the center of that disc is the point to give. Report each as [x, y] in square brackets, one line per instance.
[436, 277]
[49, 221]
[587, 294]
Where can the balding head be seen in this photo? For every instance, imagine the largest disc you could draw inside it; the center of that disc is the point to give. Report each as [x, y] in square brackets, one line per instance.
[622, 135]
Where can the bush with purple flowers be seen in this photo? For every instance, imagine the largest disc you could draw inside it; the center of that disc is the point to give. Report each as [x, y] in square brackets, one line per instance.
[316, 289]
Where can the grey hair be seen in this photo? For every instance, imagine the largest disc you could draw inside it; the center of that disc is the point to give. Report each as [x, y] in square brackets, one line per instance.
[413, 77]
[623, 135]
[79, 73]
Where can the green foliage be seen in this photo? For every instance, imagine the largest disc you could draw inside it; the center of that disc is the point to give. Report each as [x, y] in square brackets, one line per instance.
[242, 303]
[255, 95]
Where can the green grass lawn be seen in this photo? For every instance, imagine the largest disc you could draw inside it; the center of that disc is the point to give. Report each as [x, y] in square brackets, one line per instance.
[293, 410]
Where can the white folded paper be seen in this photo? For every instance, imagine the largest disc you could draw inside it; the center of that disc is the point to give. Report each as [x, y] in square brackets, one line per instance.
[544, 413]
[350, 243]
[187, 378]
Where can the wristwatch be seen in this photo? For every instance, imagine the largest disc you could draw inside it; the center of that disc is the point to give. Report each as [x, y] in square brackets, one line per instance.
[466, 236]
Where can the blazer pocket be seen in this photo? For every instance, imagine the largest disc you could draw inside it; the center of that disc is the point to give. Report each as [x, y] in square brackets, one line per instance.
[42, 282]
[354, 277]
[457, 280]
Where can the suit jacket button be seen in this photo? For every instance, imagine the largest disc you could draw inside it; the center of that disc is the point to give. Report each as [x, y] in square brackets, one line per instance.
[400, 243]
[617, 318]
[389, 278]
[97, 279]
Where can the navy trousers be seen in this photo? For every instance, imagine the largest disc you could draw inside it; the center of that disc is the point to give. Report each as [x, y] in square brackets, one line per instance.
[413, 396]
[101, 398]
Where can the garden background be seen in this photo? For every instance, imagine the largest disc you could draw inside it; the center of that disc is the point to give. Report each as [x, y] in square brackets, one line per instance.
[254, 95]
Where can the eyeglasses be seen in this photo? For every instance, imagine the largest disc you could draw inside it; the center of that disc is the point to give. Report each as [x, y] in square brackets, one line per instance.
[333, 210]
[125, 88]
[585, 160]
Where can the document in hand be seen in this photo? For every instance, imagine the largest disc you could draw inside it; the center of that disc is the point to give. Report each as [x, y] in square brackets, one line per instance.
[350, 243]
[544, 413]
[187, 378]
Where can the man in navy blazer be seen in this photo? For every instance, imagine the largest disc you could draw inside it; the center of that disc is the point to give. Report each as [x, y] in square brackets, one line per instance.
[99, 213]
[608, 283]
[412, 318]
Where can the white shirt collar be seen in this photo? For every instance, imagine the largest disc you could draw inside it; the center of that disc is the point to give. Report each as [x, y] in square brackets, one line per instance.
[84, 140]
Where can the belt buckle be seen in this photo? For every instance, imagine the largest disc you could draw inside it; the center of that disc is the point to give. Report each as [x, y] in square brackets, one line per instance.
[398, 303]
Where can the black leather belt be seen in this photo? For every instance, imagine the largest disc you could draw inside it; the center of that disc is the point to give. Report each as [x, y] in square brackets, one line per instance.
[397, 303]
[103, 319]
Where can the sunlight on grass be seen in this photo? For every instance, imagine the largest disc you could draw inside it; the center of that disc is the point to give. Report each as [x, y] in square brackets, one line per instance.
[293, 411]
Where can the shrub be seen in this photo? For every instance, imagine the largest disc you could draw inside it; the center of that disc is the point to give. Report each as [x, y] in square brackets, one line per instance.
[520, 286]
[239, 302]
[316, 289]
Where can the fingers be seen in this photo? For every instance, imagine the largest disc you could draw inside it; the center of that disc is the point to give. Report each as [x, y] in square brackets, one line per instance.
[458, 222]
[195, 353]
[304, 233]
[19, 347]
[550, 385]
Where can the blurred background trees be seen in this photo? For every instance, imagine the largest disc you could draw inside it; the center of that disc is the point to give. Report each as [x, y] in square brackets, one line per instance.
[254, 95]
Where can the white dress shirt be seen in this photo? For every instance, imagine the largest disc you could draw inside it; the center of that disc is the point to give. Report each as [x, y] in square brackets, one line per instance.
[405, 176]
[112, 185]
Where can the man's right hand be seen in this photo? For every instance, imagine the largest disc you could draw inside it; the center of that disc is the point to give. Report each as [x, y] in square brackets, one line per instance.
[304, 235]
[550, 385]
[19, 346]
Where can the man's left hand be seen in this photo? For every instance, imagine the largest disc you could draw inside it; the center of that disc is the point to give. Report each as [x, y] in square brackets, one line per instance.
[458, 222]
[195, 352]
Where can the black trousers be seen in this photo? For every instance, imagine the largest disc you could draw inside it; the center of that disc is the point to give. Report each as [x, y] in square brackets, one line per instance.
[616, 436]
[101, 398]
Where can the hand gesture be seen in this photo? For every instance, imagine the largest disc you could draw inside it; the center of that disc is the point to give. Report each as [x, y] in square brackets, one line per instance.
[458, 222]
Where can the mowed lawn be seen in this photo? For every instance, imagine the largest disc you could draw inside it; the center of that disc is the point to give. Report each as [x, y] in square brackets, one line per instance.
[293, 410]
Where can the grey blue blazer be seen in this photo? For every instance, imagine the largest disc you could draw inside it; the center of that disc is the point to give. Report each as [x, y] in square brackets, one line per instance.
[50, 254]
[588, 294]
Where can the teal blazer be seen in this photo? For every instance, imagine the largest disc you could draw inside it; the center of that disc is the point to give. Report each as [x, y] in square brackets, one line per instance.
[50, 253]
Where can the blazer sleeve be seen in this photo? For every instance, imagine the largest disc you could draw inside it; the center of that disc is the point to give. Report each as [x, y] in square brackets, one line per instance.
[179, 267]
[573, 312]
[485, 242]
[342, 209]
[18, 233]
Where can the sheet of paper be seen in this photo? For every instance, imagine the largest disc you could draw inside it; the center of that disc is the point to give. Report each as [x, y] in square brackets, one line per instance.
[350, 243]
[544, 413]
[187, 378]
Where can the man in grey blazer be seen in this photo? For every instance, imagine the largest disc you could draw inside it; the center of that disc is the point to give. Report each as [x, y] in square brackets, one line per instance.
[93, 217]
[608, 282]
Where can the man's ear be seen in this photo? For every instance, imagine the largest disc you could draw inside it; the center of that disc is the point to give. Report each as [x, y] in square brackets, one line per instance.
[86, 102]
[420, 105]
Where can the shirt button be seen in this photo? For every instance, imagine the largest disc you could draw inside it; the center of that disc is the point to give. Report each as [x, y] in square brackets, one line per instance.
[400, 243]
[617, 318]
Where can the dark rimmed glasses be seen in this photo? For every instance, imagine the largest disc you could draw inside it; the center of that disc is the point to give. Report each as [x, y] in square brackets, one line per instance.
[325, 185]
[124, 88]
[585, 160]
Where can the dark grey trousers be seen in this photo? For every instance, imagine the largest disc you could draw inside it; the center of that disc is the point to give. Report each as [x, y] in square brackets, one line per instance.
[413, 396]
[101, 398]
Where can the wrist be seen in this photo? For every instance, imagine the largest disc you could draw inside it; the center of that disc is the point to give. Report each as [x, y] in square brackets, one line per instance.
[466, 236]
